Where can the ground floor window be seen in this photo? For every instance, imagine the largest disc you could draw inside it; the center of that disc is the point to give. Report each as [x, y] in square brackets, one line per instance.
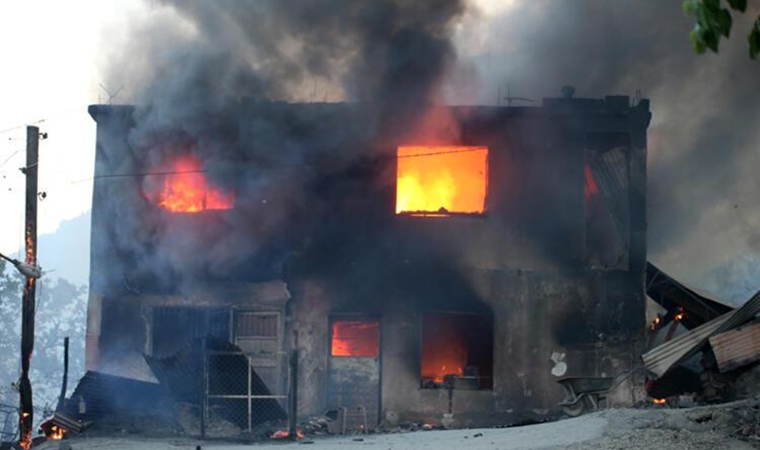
[457, 351]
[355, 338]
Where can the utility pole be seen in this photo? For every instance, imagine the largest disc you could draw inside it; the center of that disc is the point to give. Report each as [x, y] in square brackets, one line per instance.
[26, 411]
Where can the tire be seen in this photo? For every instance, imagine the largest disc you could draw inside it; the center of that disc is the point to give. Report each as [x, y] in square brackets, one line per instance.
[577, 408]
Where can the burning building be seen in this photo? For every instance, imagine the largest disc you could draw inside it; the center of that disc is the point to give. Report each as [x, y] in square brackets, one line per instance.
[420, 273]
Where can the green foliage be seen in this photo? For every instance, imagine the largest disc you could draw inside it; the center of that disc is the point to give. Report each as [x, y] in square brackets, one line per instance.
[714, 21]
[739, 5]
[754, 40]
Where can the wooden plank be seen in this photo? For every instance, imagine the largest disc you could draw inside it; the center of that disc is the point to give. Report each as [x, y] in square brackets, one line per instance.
[736, 348]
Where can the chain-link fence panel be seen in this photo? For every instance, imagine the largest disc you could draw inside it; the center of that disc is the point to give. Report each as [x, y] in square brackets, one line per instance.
[240, 400]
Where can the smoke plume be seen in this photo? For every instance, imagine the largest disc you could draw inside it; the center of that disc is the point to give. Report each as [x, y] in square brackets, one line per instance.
[189, 64]
[195, 68]
[704, 144]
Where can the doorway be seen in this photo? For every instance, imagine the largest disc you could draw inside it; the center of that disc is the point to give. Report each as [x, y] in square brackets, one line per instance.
[354, 369]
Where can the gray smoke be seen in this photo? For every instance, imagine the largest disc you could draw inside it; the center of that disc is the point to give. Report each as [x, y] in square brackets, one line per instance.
[191, 68]
[191, 62]
[704, 143]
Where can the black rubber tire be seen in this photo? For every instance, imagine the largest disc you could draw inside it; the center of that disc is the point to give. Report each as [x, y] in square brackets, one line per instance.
[577, 408]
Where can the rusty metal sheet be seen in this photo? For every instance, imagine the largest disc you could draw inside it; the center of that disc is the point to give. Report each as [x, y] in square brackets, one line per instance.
[668, 355]
[736, 348]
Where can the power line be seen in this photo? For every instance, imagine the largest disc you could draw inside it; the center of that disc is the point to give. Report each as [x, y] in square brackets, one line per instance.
[132, 175]
[11, 157]
[282, 166]
[6, 130]
[46, 119]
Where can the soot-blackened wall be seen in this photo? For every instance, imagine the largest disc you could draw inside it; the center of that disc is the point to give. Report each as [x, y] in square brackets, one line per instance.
[328, 228]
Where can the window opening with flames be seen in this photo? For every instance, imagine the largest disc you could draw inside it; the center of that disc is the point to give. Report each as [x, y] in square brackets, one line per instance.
[457, 351]
[355, 338]
[185, 189]
[438, 181]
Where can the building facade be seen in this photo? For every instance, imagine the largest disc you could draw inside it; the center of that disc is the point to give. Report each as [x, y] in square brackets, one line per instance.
[448, 272]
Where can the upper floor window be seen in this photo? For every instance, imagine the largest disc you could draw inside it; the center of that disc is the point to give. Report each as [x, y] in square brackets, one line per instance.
[439, 181]
[185, 188]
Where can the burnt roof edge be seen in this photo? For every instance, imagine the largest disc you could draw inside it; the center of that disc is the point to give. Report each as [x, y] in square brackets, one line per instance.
[609, 105]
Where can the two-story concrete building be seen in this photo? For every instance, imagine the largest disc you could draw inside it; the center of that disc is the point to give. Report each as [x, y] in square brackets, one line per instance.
[422, 275]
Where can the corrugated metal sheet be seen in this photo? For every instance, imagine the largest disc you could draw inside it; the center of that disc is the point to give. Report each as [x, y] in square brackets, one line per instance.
[671, 294]
[666, 356]
[736, 348]
[105, 395]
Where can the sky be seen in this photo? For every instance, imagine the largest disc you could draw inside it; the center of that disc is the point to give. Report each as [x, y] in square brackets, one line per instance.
[703, 150]
[51, 52]
[55, 58]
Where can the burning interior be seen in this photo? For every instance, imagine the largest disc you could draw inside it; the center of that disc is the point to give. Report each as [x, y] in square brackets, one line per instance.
[543, 251]
[441, 180]
[355, 338]
[184, 188]
[457, 351]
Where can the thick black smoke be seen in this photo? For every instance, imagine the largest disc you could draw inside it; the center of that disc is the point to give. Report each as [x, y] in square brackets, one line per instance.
[188, 65]
[704, 143]
[194, 68]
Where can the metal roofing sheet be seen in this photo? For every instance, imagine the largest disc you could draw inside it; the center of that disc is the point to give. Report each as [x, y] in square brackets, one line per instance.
[670, 293]
[666, 356]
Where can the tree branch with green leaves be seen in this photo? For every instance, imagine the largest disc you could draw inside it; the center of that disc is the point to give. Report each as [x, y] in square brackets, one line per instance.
[714, 21]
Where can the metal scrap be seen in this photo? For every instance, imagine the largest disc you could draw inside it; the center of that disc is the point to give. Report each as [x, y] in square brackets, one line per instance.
[661, 359]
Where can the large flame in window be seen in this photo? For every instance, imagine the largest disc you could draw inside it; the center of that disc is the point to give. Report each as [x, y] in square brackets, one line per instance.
[187, 190]
[355, 338]
[440, 180]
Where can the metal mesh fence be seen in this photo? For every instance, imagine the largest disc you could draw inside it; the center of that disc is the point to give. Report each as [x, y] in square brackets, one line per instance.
[242, 397]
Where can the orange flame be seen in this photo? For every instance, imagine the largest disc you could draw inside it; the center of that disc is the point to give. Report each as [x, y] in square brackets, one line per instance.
[282, 434]
[355, 338]
[658, 401]
[591, 189]
[56, 433]
[444, 352]
[441, 179]
[679, 316]
[52, 430]
[189, 191]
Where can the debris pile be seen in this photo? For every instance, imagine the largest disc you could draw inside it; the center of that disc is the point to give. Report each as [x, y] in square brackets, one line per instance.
[718, 345]
[740, 420]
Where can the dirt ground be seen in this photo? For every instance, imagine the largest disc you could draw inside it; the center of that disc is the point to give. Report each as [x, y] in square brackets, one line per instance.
[732, 426]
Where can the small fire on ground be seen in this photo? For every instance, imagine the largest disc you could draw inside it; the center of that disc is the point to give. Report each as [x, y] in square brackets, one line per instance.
[284, 434]
[52, 431]
[659, 401]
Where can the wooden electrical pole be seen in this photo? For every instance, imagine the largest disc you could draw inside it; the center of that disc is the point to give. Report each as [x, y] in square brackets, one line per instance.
[26, 410]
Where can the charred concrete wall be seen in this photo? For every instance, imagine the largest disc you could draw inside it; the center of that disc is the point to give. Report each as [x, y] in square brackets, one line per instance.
[535, 314]
[343, 251]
